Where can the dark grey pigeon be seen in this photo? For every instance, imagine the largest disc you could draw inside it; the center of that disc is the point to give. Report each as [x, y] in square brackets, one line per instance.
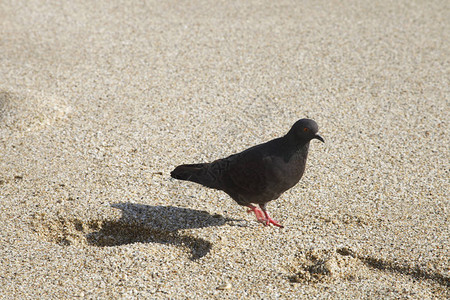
[259, 174]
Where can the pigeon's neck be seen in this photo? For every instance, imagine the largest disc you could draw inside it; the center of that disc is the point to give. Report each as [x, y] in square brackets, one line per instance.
[293, 141]
[302, 151]
[297, 149]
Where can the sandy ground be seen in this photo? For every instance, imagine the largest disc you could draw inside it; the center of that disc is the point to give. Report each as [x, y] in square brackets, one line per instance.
[99, 100]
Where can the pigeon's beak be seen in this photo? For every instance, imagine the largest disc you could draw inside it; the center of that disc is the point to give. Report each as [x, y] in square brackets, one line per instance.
[319, 138]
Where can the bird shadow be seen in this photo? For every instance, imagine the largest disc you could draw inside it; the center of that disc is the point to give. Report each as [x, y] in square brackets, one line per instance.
[156, 224]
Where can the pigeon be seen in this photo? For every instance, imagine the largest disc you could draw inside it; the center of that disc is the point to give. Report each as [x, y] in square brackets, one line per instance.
[259, 174]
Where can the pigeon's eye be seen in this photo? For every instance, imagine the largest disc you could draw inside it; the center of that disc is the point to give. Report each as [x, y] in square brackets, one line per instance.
[305, 129]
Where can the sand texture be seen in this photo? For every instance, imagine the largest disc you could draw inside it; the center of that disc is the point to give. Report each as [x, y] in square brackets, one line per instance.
[100, 100]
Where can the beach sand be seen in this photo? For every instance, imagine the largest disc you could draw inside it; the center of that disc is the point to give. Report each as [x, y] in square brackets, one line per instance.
[100, 100]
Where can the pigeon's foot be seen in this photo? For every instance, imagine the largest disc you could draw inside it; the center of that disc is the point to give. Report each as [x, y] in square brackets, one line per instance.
[263, 216]
[269, 220]
[258, 213]
[272, 221]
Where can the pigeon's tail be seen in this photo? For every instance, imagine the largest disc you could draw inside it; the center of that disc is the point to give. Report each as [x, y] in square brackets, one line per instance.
[195, 172]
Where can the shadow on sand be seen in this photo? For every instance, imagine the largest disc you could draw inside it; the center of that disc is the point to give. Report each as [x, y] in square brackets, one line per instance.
[156, 224]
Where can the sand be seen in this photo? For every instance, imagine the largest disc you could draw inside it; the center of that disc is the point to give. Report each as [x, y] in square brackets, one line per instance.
[100, 100]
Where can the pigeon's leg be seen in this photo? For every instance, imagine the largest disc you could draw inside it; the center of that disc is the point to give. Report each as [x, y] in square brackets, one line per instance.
[269, 220]
[261, 216]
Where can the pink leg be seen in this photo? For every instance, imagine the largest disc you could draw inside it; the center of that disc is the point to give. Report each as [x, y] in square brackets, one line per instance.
[269, 220]
[260, 215]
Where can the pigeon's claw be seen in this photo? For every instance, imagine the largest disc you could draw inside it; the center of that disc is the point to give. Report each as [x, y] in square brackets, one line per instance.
[272, 221]
[263, 216]
[269, 220]
[260, 215]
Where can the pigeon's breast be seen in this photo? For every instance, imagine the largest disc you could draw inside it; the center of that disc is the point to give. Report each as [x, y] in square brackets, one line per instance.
[286, 174]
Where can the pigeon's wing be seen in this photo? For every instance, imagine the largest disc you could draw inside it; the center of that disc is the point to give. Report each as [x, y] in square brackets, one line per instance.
[247, 173]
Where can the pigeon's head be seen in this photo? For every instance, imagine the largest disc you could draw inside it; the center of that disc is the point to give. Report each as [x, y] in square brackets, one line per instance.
[305, 130]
